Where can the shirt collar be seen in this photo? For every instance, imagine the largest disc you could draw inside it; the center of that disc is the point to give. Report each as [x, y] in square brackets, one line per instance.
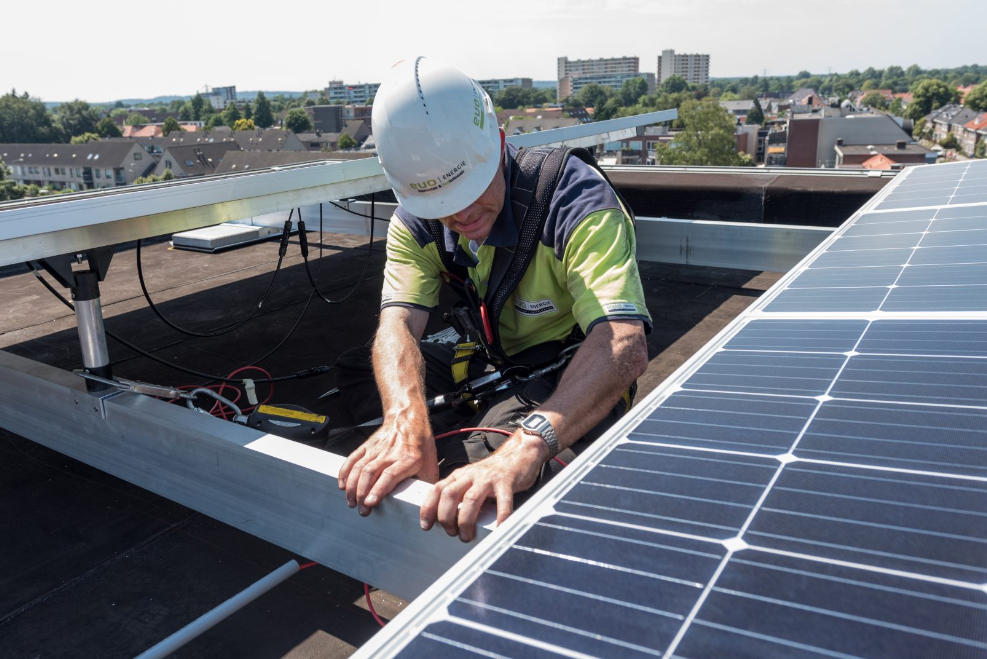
[504, 232]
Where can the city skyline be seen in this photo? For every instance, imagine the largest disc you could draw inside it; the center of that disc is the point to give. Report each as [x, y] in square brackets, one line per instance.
[742, 37]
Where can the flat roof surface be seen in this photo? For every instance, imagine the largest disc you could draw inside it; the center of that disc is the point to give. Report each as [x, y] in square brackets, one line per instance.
[92, 566]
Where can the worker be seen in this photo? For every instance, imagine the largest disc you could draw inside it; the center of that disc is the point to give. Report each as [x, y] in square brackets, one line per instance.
[464, 200]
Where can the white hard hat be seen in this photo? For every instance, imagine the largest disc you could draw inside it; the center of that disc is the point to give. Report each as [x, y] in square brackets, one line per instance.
[437, 137]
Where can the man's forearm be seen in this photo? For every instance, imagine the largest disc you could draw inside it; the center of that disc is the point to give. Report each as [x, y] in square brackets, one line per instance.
[608, 362]
[399, 371]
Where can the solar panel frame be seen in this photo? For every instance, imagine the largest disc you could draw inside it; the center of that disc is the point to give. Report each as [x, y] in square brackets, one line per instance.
[431, 606]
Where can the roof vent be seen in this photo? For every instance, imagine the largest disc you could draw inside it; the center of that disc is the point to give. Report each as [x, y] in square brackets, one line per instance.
[839, 141]
[900, 144]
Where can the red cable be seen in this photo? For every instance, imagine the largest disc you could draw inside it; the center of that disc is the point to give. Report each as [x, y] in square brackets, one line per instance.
[496, 430]
[307, 565]
[370, 605]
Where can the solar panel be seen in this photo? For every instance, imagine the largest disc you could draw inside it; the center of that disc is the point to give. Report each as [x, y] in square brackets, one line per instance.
[813, 483]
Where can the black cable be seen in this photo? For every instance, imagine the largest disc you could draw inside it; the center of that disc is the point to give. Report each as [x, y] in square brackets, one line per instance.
[344, 208]
[318, 370]
[229, 327]
[366, 263]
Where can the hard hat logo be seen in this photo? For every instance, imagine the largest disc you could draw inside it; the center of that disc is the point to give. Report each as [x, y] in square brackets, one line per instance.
[445, 179]
[477, 108]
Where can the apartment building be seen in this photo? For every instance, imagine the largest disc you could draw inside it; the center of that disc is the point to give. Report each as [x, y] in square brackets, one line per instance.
[601, 66]
[99, 164]
[693, 67]
[220, 97]
[361, 93]
[571, 85]
[494, 85]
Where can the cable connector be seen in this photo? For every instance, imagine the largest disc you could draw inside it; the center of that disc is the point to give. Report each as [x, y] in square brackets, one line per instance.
[303, 238]
[309, 372]
[251, 389]
[283, 249]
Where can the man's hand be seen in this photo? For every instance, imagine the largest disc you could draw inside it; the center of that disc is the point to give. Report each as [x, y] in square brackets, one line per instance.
[512, 468]
[401, 448]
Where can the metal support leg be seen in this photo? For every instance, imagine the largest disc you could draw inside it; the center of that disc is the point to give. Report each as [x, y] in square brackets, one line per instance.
[89, 315]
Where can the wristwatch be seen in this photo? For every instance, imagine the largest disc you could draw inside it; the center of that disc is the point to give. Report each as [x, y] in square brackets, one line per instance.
[537, 424]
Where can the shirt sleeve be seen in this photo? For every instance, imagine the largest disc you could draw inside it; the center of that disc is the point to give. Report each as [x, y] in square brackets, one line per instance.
[411, 274]
[601, 271]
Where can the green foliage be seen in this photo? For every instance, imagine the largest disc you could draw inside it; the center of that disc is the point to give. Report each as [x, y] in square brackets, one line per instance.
[76, 117]
[756, 114]
[120, 111]
[248, 112]
[309, 102]
[170, 125]
[297, 121]
[632, 90]
[197, 104]
[141, 180]
[949, 142]
[324, 100]
[897, 108]
[263, 117]
[185, 112]
[231, 114]
[168, 175]
[214, 120]
[244, 124]
[874, 100]
[9, 190]
[921, 130]
[927, 95]
[135, 119]
[106, 128]
[673, 85]
[976, 98]
[346, 142]
[706, 139]
[593, 96]
[85, 138]
[25, 119]
[518, 97]
[980, 151]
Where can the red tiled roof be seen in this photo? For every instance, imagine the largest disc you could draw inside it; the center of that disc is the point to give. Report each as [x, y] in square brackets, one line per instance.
[880, 161]
[979, 123]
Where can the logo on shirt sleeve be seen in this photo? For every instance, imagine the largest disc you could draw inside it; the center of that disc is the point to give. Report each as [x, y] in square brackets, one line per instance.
[537, 308]
[620, 307]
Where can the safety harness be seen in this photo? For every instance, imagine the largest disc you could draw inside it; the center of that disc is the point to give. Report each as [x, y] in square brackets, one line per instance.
[534, 178]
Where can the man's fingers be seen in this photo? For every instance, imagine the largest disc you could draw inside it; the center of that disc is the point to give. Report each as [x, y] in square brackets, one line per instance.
[473, 500]
[353, 480]
[429, 471]
[348, 465]
[368, 477]
[389, 478]
[505, 502]
[449, 500]
[430, 506]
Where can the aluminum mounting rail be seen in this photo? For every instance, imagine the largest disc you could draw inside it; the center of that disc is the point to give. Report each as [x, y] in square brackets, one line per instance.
[36, 229]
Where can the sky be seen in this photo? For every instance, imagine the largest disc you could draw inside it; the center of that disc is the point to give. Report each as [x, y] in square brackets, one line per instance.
[151, 51]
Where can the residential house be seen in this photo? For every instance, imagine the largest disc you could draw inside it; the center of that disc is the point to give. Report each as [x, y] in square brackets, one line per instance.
[811, 140]
[319, 141]
[188, 160]
[805, 96]
[357, 112]
[946, 117]
[358, 129]
[267, 139]
[738, 109]
[882, 156]
[326, 118]
[973, 132]
[98, 164]
[248, 161]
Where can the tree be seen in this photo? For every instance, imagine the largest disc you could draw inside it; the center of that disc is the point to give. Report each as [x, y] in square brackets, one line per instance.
[593, 96]
[231, 114]
[874, 100]
[949, 142]
[248, 112]
[673, 85]
[171, 125]
[976, 98]
[346, 142]
[9, 190]
[244, 124]
[706, 139]
[297, 121]
[897, 108]
[76, 117]
[120, 111]
[197, 103]
[980, 151]
[135, 119]
[85, 138]
[25, 119]
[756, 114]
[185, 112]
[927, 95]
[106, 128]
[214, 120]
[263, 116]
[168, 175]
[632, 90]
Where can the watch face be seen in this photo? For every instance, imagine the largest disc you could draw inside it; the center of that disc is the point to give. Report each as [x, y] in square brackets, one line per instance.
[536, 423]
